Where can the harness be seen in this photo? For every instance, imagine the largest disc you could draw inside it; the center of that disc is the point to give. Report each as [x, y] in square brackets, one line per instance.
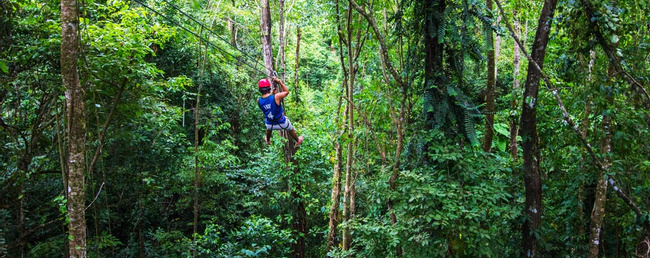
[274, 122]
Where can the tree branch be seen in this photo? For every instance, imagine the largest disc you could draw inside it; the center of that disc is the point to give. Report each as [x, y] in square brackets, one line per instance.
[381, 151]
[102, 135]
[572, 124]
[589, 12]
[382, 42]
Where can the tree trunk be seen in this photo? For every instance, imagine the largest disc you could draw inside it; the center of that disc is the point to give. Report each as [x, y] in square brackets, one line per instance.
[336, 194]
[585, 128]
[267, 47]
[281, 35]
[433, 60]
[600, 196]
[336, 184]
[299, 224]
[349, 89]
[75, 98]
[531, 156]
[514, 150]
[196, 169]
[295, 70]
[397, 117]
[491, 85]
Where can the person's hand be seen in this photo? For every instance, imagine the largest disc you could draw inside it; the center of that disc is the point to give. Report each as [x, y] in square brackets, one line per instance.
[275, 79]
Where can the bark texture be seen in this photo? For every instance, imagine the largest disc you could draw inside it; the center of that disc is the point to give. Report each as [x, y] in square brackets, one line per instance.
[531, 156]
[76, 158]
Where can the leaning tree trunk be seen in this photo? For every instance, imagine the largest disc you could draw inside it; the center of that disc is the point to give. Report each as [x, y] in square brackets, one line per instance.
[514, 150]
[491, 85]
[74, 96]
[531, 156]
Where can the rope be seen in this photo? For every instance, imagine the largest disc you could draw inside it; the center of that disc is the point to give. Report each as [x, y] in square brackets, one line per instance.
[209, 30]
[198, 36]
[210, 43]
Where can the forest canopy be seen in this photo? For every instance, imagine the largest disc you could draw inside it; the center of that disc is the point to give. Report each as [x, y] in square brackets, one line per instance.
[432, 128]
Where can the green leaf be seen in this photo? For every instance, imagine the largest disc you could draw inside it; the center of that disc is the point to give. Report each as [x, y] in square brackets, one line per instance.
[613, 39]
[3, 67]
[501, 145]
[451, 91]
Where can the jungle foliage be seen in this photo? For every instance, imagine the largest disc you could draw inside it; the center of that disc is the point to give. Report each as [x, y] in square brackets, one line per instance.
[176, 164]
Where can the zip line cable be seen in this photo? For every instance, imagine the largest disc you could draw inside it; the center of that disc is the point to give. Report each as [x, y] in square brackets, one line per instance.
[198, 36]
[208, 29]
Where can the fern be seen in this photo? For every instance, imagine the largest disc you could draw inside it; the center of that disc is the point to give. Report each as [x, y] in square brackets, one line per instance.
[470, 130]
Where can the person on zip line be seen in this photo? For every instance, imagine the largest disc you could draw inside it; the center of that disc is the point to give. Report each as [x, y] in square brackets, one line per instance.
[271, 106]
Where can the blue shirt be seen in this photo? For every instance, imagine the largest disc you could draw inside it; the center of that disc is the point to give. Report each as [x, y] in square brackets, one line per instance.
[273, 113]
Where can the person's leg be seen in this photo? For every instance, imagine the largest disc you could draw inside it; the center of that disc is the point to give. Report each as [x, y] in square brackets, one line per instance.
[295, 137]
[269, 134]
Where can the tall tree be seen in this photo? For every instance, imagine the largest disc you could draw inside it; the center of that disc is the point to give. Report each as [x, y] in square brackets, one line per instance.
[600, 195]
[76, 123]
[281, 37]
[353, 49]
[299, 222]
[490, 89]
[336, 177]
[399, 112]
[267, 46]
[530, 146]
[514, 150]
[295, 69]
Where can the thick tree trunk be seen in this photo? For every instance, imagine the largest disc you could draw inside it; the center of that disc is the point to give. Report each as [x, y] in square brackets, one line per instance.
[434, 52]
[76, 128]
[491, 85]
[514, 150]
[531, 156]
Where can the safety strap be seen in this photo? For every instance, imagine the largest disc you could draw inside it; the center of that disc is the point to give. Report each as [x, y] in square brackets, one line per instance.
[280, 125]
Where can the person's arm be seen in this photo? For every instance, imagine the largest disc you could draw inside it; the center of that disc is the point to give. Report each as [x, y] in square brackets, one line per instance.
[285, 91]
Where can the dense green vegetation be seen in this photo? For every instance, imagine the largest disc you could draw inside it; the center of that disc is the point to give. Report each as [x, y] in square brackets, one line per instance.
[390, 97]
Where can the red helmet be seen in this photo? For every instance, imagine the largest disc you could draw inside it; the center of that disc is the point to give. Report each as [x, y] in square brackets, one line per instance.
[263, 83]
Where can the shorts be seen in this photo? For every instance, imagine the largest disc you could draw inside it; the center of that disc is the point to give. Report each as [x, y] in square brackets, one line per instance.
[283, 126]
